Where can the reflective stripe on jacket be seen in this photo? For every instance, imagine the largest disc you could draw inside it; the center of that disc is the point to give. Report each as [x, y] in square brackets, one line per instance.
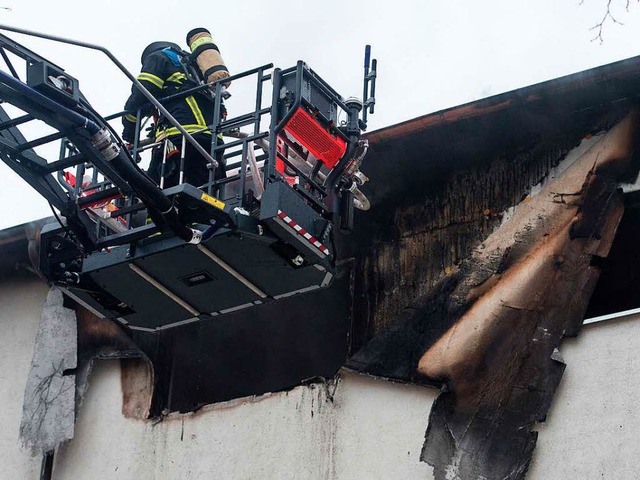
[162, 77]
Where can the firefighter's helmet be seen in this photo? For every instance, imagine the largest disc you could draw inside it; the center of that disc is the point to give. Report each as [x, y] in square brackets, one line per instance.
[155, 47]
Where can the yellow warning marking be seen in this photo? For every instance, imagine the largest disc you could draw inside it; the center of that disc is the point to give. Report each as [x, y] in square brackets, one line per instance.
[212, 201]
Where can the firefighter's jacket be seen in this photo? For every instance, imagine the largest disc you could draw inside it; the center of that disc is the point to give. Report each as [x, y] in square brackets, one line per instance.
[163, 75]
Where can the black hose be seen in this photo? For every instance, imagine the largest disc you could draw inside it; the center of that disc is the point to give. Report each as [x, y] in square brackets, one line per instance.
[161, 209]
[97, 118]
[45, 101]
[332, 179]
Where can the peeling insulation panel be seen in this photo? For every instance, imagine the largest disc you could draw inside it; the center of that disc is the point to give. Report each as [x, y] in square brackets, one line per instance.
[48, 416]
[523, 289]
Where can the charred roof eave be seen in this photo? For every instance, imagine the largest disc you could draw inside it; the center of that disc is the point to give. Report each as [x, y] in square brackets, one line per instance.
[15, 253]
[614, 74]
[422, 155]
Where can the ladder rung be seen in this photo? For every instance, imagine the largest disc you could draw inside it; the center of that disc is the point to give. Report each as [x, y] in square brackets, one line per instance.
[103, 195]
[235, 143]
[41, 141]
[126, 210]
[242, 120]
[71, 161]
[16, 121]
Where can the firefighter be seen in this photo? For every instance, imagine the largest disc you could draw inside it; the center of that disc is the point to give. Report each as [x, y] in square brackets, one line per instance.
[163, 75]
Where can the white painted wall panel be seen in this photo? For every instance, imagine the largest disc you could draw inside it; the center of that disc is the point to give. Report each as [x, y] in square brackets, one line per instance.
[593, 427]
[372, 429]
[21, 302]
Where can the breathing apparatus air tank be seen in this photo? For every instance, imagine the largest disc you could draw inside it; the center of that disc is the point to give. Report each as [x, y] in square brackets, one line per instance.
[207, 55]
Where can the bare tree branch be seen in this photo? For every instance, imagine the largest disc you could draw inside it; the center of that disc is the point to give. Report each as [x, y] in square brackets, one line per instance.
[600, 25]
[608, 15]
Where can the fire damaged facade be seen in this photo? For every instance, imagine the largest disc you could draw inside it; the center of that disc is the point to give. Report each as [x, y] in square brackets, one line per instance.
[495, 229]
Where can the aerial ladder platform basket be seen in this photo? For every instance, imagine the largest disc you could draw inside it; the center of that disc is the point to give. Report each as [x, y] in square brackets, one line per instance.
[262, 233]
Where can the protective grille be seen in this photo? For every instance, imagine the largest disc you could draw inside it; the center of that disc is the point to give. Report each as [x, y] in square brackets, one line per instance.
[316, 139]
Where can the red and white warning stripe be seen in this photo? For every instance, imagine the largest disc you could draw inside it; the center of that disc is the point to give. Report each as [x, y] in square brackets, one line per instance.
[311, 239]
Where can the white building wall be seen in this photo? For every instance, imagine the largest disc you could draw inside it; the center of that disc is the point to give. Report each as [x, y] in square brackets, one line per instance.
[592, 430]
[21, 303]
[372, 429]
[368, 431]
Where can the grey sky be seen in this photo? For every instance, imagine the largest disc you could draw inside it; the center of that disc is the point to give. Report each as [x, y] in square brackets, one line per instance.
[432, 54]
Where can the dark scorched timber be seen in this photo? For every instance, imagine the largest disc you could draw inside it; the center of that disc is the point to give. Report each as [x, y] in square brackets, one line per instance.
[443, 296]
